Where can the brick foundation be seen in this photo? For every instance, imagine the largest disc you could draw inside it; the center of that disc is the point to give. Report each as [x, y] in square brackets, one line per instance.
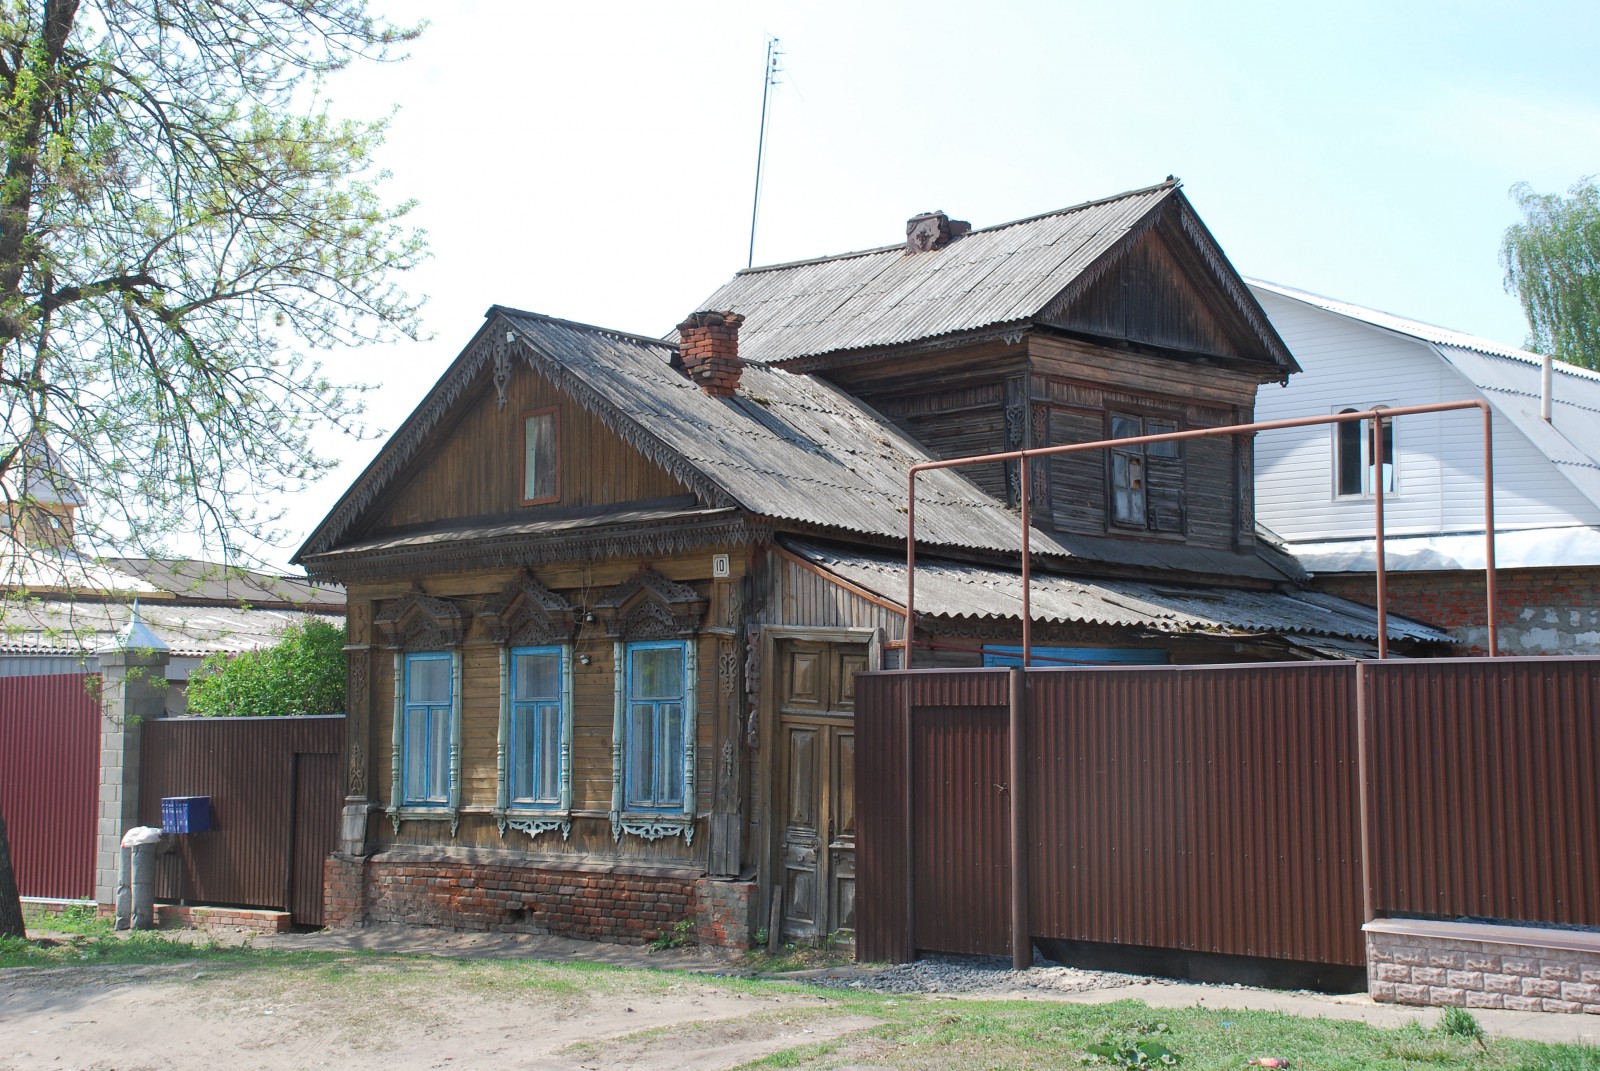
[173, 917]
[1471, 965]
[629, 905]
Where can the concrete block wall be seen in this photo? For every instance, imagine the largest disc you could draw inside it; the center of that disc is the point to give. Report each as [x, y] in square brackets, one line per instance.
[133, 690]
[1471, 965]
[612, 903]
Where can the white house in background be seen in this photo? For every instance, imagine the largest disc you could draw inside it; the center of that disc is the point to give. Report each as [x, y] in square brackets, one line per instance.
[1314, 485]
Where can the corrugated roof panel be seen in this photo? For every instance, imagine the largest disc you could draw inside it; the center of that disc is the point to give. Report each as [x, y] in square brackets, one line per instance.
[961, 590]
[882, 297]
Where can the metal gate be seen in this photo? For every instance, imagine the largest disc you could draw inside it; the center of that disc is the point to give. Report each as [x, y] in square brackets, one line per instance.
[275, 796]
[49, 777]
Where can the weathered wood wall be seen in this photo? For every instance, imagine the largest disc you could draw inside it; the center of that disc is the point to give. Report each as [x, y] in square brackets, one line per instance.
[472, 467]
[594, 705]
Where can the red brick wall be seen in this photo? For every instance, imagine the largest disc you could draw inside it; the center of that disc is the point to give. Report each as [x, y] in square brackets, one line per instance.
[627, 907]
[1542, 611]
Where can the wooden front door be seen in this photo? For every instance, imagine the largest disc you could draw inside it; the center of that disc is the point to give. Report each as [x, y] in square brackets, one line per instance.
[816, 788]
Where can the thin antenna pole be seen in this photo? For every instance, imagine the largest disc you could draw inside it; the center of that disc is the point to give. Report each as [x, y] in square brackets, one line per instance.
[769, 78]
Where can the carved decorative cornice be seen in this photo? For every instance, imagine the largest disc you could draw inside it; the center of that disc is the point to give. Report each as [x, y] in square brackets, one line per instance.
[418, 622]
[653, 829]
[527, 614]
[656, 540]
[650, 607]
[535, 826]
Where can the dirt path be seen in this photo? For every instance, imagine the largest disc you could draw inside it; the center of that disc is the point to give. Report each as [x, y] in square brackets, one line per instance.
[390, 1016]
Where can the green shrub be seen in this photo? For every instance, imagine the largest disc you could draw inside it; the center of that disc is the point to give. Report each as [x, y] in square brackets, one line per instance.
[303, 673]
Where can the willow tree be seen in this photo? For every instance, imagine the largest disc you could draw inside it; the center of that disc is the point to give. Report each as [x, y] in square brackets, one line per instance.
[1552, 264]
[183, 222]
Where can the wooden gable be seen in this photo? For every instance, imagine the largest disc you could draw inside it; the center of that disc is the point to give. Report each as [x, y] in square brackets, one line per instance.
[471, 464]
[1158, 292]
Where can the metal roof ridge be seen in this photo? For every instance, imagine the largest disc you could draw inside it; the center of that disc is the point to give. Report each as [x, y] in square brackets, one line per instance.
[1419, 329]
[1168, 184]
[507, 310]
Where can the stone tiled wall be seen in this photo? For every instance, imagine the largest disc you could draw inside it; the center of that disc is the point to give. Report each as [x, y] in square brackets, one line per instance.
[614, 904]
[1460, 968]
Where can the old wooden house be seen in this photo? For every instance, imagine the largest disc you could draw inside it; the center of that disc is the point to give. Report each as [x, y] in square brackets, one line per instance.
[607, 593]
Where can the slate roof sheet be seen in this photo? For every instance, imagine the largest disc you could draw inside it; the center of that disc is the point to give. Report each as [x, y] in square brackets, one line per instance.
[68, 626]
[788, 446]
[792, 447]
[959, 590]
[991, 276]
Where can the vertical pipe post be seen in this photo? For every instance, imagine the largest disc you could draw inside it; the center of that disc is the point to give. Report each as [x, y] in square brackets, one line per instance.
[908, 798]
[1021, 940]
[1027, 579]
[1364, 785]
[1375, 453]
[1491, 594]
[911, 569]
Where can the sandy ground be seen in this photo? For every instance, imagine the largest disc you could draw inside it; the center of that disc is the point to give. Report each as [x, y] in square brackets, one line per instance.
[384, 1015]
[444, 1011]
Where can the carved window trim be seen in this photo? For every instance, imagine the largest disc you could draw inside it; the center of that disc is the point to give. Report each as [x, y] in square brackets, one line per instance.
[532, 817]
[419, 622]
[650, 607]
[670, 821]
[399, 809]
[554, 412]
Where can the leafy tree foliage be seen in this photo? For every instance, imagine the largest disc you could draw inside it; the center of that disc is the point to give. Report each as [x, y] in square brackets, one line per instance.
[303, 673]
[1552, 263]
[182, 219]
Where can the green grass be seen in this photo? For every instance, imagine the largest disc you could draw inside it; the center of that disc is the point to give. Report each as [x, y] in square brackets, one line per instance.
[967, 1035]
[933, 1032]
[74, 918]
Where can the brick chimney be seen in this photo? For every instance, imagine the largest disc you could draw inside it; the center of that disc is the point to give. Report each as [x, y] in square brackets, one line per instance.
[708, 346]
[933, 230]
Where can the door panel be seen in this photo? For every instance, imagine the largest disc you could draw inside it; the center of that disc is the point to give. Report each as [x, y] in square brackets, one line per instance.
[842, 832]
[801, 858]
[816, 811]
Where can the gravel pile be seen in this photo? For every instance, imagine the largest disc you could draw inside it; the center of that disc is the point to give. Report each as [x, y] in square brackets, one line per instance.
[974, 974]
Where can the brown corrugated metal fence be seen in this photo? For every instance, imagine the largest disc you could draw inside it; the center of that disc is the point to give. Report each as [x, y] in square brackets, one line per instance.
[49, 781]
[1219, 809]
[275, 793]
[1203, 809]
[1484, 801]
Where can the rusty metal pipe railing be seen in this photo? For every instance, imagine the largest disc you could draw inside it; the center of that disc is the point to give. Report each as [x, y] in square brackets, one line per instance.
[1022, 457]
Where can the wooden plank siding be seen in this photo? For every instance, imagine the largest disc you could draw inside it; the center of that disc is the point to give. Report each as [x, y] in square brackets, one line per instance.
[473, 467]
[1151, 297]
[1079, 389]
[593, 709]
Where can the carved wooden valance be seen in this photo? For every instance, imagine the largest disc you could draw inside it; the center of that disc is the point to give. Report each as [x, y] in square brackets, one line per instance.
[527, 614]
[650, 607]
[418, 622]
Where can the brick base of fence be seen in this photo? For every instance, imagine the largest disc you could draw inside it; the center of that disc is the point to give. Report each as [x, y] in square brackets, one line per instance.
[1472, 965]
[612, 903]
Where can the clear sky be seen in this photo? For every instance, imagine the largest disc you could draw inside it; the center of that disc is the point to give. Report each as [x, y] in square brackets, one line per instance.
[595, 161]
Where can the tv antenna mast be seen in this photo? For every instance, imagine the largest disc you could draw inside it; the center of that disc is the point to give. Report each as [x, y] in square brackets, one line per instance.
[769, 78]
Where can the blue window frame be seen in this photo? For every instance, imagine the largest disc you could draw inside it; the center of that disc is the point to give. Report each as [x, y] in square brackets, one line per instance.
[425, 747]
[654, 725]
[538, 727]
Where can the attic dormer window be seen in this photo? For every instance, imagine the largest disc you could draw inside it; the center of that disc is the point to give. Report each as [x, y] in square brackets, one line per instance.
[541, 434]
[1363, 455]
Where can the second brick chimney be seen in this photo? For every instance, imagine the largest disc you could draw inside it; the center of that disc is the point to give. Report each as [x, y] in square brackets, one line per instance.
[708, 346]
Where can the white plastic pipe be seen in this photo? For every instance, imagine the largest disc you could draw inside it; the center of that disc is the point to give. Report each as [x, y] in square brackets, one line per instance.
[1547, 377]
